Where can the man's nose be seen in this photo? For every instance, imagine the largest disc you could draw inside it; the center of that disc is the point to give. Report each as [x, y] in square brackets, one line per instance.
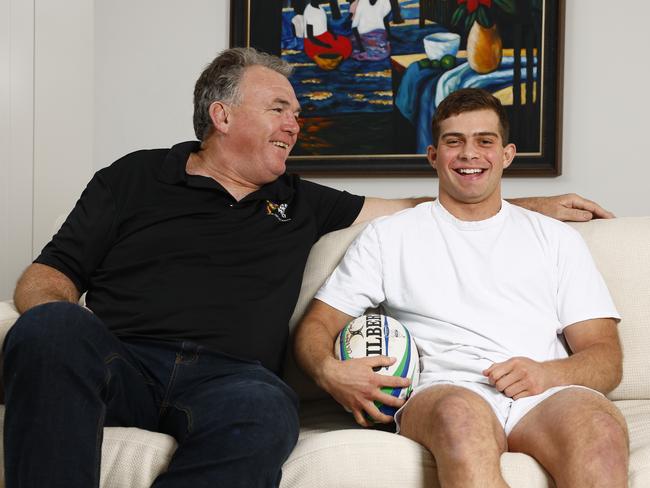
[291, 125]
[468, 151]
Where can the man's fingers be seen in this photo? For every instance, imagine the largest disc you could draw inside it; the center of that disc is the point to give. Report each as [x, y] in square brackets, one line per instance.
[377, 416]
[596, 210]
[360, 418]
[495, 372]
[516, 388]
[390, 400]
[382, 380]
[385, 381]
[521, 394]
[379, 361]
[369, 415]
[575, 215]
[508, 380]
[576, 202]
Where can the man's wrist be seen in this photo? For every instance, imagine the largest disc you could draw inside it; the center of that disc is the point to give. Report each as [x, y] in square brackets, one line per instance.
[325, 371]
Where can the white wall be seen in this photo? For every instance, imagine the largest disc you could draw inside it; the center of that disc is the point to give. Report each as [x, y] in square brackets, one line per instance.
[16, 139]
[604, 111]
[63, 110]
[112, 77]
[148, 55]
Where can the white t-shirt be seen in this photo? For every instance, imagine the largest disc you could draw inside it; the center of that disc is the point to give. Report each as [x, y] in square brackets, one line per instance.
[472, 293]
[317, 18]
[370, 17]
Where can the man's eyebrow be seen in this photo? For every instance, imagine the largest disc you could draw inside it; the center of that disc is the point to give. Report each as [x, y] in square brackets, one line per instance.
[285, 103]
[453, 134]
[475, 134]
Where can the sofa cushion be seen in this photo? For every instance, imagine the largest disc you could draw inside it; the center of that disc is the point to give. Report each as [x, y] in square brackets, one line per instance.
[637, 416]
[324, 257]
[333, 451]
[134, 457]
[621, 250]
[130, 457]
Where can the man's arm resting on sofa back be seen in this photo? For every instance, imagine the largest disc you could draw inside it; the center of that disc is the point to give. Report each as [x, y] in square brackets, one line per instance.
[569, 207]
[352, 383]
[42, 284]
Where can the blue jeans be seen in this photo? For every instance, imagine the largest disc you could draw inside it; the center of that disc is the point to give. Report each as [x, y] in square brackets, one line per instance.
[67, 377]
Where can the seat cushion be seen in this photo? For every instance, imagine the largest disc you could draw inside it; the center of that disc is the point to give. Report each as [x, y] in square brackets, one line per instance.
[334, 451]
[130, 457]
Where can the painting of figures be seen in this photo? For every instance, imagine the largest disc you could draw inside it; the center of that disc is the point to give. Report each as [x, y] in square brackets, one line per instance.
[369, 74]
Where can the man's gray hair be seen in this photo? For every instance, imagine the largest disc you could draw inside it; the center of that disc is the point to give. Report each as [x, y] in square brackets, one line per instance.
[220, 82]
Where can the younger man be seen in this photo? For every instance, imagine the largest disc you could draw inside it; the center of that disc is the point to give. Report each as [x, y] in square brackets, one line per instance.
[486, 289]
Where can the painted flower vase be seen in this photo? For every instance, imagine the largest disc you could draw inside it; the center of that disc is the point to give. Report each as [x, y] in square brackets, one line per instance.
[484, 48]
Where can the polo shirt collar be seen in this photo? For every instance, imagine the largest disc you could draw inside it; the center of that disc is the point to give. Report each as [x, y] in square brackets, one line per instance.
[173, 172]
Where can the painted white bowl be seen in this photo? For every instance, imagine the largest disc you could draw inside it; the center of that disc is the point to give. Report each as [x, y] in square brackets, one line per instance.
[440, 43]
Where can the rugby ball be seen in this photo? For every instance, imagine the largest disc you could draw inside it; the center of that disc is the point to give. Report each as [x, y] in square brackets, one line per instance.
[375, 335]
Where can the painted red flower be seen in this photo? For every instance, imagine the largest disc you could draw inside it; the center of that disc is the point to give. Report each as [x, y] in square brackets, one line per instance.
[472, 5]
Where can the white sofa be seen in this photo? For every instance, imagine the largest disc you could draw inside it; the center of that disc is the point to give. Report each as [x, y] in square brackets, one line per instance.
[333, 452]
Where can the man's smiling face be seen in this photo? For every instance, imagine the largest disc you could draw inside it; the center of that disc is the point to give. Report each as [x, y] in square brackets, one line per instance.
[470, 158]
[264, 126]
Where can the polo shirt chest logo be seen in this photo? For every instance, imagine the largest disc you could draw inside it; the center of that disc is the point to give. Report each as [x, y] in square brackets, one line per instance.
[277, 210]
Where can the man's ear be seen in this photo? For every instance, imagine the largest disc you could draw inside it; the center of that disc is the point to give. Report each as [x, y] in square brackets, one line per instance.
[219, 114]
[509, 152]
[432, 154]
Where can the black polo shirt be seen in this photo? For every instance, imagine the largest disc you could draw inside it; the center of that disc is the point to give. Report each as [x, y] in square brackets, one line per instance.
[172, 256]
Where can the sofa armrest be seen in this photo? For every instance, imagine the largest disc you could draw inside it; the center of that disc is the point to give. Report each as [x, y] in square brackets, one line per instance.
[8, 315]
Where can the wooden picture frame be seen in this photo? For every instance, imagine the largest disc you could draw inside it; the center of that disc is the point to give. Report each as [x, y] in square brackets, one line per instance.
[368, 116]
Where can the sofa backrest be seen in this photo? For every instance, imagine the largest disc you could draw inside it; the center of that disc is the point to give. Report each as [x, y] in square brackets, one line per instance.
[621, 250]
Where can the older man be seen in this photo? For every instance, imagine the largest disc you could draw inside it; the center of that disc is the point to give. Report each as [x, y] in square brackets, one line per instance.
[192, 259]
[486, 289]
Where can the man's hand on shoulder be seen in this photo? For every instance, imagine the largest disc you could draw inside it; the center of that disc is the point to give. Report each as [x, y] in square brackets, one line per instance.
[569, 207]
[354, 384]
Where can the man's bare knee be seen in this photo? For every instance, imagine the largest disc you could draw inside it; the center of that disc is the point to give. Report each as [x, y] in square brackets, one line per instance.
[456, 415]
[604, 441]
[459, 420]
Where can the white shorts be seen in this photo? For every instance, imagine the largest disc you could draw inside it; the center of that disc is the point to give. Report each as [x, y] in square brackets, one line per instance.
[508, 411]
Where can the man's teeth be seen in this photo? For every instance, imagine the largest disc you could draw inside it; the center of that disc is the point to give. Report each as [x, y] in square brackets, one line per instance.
[468, 171]
[280, 144]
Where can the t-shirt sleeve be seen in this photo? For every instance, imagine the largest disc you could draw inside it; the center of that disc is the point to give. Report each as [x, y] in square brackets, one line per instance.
[79, 246]
[582, 292]
[334, 209]
[357, 282]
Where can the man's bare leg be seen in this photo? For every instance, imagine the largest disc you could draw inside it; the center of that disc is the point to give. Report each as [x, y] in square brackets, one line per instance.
[459, 428]
[579, 437]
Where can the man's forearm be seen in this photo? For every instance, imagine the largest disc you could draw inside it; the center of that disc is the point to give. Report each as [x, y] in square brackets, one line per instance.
[42, 284]
[598, 367]
[569, 207]
[313, 348]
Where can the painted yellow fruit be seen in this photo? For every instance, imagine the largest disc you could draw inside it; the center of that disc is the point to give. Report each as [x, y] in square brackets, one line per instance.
[328, 61]
[484, 48]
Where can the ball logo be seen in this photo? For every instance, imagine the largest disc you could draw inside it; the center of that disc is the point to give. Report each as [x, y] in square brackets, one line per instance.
[373, 336]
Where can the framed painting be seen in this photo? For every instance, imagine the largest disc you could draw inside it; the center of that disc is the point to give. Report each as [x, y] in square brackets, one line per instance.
[369, 75]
